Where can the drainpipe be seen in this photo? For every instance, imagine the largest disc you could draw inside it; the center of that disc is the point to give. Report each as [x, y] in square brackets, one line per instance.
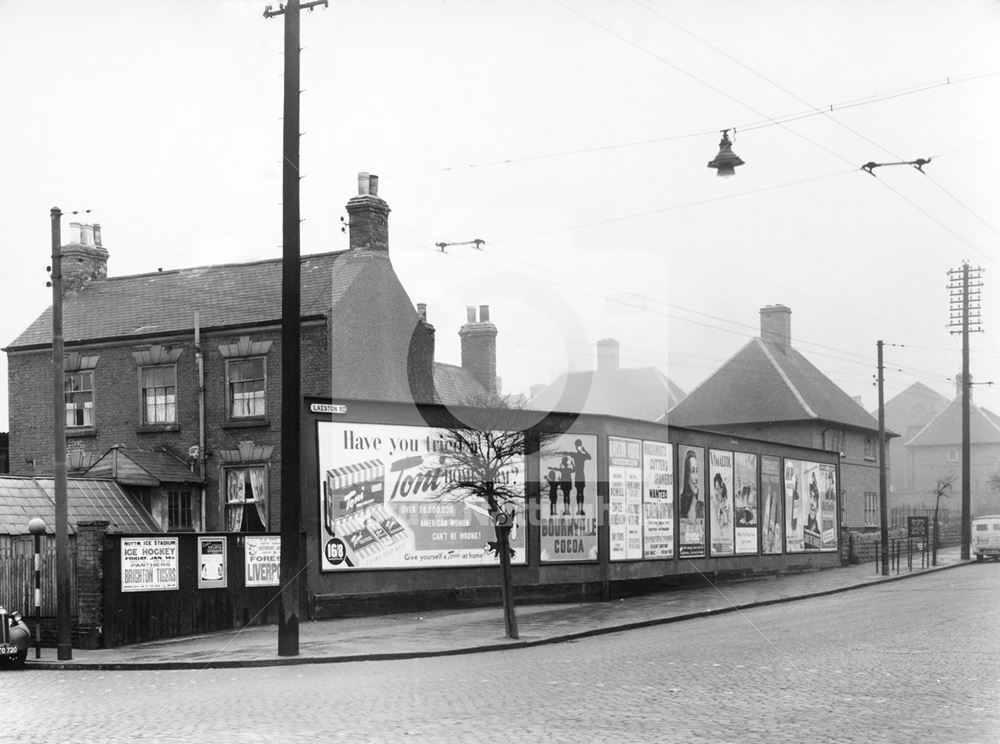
[200, 361]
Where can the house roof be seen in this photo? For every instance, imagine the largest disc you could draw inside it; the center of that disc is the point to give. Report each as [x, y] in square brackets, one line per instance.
[642, 393]
[135, 467]
[164, 302]
[87, 500]
[946, 428]
[454, 385]
[769, 382]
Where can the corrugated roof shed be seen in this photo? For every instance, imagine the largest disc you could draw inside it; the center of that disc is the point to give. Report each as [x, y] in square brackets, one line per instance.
[87, 500]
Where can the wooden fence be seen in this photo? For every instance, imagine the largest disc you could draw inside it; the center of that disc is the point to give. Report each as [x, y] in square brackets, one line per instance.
[17, 574]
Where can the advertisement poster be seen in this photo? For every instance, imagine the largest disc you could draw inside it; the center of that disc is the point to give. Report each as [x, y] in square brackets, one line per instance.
[149, 564]
[828, 477]
[384, 500]
[770, 488]
[212, 562]
[625, 475]
[745, 503]
[721, 528]
[812, 536]
[658, 500]
[262, 560]
[692, 502]
[568, 514]
[794, 508]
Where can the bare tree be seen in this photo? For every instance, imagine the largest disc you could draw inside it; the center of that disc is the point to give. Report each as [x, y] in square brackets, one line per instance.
[940, 491]
[486, 459]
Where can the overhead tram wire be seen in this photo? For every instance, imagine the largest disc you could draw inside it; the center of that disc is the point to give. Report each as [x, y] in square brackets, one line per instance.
[841, 124]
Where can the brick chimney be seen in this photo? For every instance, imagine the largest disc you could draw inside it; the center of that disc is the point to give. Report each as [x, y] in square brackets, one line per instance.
[84, 259]
[607, 355]
[421, 358]
[368, 217]
[776, 325]
[479, 347]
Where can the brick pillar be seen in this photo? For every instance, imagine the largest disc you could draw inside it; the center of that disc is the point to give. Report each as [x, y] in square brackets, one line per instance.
[90, 582]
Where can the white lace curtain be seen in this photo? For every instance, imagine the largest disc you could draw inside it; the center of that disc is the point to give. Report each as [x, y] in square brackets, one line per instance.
[236, 495]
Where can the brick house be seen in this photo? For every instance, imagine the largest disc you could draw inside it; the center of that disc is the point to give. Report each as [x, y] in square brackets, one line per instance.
[935, 453]
[641, 393]
[768, 390]
[907, 413]
[184, 367]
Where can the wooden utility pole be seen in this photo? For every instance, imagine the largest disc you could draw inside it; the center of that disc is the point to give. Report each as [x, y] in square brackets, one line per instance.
[292, 565]
[883, 497]
[64, 646]
[964, 298]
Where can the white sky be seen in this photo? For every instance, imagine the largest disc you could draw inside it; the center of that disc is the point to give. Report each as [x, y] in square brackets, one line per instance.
[571, 136]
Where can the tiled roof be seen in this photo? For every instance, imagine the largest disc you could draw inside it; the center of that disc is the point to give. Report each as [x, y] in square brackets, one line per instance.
[87, 500]
[946, 427]
[164, 302]
[455, 385]
[642, 393]
[766, 382]
[135, 467]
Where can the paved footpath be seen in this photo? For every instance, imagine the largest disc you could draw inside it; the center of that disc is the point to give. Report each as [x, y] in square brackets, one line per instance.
[445, 632]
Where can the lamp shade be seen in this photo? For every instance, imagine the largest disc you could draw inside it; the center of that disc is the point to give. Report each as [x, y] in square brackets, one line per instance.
[726, 161]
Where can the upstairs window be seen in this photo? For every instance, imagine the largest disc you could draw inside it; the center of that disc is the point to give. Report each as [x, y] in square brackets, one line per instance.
[78, 392]
[246, 499]
[180, 515]
[869, 447]
[247, 385]
[158, 391]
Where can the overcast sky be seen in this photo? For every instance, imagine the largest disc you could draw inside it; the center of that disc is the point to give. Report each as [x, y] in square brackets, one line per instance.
[571, 136]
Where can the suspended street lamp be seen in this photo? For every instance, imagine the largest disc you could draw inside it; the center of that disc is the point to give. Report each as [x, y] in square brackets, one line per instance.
[726, 161]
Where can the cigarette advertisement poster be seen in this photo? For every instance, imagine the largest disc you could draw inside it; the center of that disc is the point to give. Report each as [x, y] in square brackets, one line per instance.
[568, 514]
[149, 564]
[828, 478]
[625, 520]
[745, 502]
[794, 508]
[262, 560]
[770, 486]
[721, 528]
[658, 500]
[692, 502]
[385, 500]
[212, 562]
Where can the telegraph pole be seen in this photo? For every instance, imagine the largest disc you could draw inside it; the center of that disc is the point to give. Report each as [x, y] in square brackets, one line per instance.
[64, 646]
[883, 497]
[291, 491]
[964, 286]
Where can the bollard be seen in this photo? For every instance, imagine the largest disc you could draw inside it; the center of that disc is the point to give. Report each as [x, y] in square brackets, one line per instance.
[37, 528]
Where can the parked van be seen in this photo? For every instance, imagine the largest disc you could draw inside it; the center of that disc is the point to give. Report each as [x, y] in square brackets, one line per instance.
[986, 537]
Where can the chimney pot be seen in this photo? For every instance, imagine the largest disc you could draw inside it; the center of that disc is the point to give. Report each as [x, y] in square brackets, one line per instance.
[422, 311]
[364, 183]
[470, 314]
[484, 313]
[776, 325]
[373, 185]
[608, 355]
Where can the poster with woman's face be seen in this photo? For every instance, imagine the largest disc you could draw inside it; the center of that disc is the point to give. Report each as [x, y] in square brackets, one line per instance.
[828, 510]
[721, 525]
[770, 504]
[745, 502]
[812, 538]
[691, 501]
[794, 507]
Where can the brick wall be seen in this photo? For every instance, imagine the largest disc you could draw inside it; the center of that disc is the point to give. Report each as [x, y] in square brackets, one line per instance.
[90, 583]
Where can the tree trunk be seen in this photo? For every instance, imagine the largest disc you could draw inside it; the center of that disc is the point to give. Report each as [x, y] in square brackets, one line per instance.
[506, 589]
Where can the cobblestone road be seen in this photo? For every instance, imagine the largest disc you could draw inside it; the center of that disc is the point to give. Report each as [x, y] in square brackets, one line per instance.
[909, 661]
